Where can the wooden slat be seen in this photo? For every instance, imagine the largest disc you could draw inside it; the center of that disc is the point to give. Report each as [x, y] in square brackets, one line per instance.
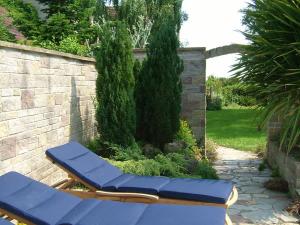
[18, 218]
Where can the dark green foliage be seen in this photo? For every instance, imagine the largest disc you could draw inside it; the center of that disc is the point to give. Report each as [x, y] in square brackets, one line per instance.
[133, 159]
[213, 103]
[227, 91]
[115, 85]
[70, 44]
[270, 64]
[170, 165]
[158, 90]
[56, 28]
[56, 6]
[185, 134]
[237, 93]
[5, 35]
[24, 15]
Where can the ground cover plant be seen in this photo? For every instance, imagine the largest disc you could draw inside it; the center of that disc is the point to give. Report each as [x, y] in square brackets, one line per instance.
[236, 127]
[188, 161]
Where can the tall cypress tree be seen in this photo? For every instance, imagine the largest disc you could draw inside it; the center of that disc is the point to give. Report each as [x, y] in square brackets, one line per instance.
[158, 90]
[115, 113]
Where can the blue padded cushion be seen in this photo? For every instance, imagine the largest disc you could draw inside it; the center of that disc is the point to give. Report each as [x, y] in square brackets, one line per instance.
[104, 213]
[4, 222]
[182, 215]
[43, 205]
[138, 184]
[33, 200]
[100, 174]
[216, 191]
[94, 212]
[85, 164]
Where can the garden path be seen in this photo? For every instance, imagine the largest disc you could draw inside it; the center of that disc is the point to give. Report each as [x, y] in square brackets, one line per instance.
[256, 205]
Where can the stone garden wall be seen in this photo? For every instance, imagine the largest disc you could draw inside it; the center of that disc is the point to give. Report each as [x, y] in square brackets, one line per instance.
[46, 99]
[288, 167]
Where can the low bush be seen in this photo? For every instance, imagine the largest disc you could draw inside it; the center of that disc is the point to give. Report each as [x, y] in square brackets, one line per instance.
[211, 150]
[69, 44]
[171, 166]
[214, 103]
[186, 162]
[5, 35]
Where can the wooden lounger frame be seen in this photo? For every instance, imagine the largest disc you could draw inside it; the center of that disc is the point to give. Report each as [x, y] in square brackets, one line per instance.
[129, 196]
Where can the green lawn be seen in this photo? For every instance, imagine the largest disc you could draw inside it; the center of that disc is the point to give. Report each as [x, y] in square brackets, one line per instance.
[235, 128]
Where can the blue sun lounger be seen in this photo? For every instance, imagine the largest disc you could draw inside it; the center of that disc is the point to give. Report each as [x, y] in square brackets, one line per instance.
[34, 203]
[108, 182]
[4, 222]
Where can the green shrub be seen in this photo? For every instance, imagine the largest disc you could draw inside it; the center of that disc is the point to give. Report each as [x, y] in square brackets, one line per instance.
[214, 103]
[5, 35]
[115, 112]
[158, 89]
[238, 93]
[71, 45]
[133, 152]
[205, 170]
[25, 17]
[270, 64]
[185, 134]
[210, 150]
[146, 167]
[56, 28]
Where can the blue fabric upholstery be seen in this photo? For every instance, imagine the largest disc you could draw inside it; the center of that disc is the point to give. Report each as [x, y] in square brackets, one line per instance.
[85, 164]
[139, 184]
[43, 205]
[4, 222]
[182, 215]
[118, 213]
[33, 200]
[216, 191]
[105, 213]
[102, 175]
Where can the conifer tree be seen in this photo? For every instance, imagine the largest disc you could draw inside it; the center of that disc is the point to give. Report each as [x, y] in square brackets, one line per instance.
[158, 90]
[115, 112]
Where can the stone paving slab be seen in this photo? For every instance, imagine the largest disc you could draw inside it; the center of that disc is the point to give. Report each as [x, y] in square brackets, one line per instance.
[256, 205]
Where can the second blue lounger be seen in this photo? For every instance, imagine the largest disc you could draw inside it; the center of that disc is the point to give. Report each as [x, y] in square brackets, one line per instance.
[97, 174]
[35, 203]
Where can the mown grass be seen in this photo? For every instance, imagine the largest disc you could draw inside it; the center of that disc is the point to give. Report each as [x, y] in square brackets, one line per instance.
[236, 127]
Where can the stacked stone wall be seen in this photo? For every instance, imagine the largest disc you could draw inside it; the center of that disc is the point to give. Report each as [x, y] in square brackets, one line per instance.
[46, 99]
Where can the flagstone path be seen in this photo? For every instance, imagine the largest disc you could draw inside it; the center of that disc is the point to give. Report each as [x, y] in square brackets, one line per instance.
[256, 205]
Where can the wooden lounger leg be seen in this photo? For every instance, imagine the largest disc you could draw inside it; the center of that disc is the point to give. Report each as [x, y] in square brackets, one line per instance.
[63, 184]
[233, 198]
[228, 220]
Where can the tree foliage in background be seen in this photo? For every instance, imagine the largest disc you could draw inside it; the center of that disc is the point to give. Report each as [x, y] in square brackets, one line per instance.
[24, 15]
[227, 91]
[5, 35]
[270, 64]
[84, 19]
[115, 111]
[158, 90]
